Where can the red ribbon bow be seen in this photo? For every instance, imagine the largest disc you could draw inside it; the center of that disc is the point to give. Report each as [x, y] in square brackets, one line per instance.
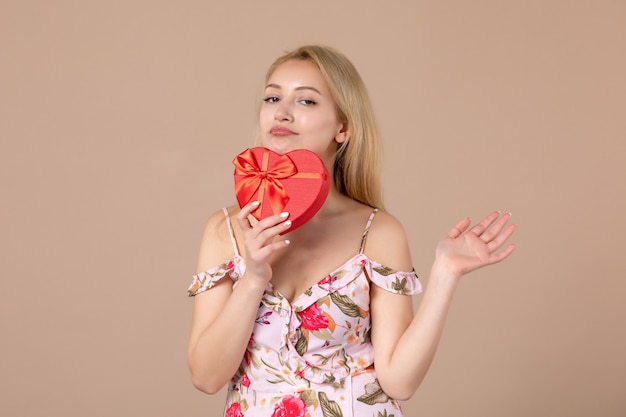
[264, 180]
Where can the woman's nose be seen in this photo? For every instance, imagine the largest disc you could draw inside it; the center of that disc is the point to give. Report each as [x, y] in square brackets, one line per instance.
[283, 113]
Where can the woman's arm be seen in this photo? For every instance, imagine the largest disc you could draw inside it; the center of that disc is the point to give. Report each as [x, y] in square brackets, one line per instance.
[223, 317]
[404, 344]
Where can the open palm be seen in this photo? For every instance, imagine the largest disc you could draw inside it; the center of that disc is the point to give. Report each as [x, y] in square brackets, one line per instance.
[463, 249]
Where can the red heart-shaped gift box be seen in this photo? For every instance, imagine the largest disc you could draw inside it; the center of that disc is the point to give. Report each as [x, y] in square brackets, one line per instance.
[296, 182]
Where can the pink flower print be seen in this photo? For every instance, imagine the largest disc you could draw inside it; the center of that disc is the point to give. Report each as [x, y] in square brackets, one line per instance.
[245, 381]
[327, 279]
[263, 319]
[234, 410]
[230, 265]
[313, 318]
[290, 406]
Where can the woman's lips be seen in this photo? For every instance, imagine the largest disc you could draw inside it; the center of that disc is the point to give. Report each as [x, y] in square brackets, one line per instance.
[281, 131]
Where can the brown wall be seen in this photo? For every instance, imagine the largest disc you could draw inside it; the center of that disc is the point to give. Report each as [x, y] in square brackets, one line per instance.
[118, 124]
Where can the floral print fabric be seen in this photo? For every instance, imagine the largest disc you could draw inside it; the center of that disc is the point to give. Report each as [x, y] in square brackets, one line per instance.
[312, 357]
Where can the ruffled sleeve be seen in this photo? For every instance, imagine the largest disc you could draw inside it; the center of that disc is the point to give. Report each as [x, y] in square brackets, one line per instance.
[398, 282]
[233, 268]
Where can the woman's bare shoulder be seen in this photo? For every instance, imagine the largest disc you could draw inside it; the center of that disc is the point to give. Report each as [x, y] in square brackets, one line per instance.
[387, 242]
[216, 245]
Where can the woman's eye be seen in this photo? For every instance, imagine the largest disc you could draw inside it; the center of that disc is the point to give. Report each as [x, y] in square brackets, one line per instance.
[308, 102]
[270, 99]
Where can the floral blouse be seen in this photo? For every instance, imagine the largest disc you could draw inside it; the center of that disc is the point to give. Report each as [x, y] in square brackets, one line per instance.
[312, 357]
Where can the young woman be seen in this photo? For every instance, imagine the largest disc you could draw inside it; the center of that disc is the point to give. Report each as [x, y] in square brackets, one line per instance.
[319, 321]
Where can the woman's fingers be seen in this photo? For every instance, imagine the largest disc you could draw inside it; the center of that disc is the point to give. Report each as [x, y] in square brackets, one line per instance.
[459, 228]
[500, 238]
[266, 251]
[497, 237]
[488, 232]
[482, 227]
[499, 256]
[271, 226]
[260, 234]
[244, 213]
[260, 239]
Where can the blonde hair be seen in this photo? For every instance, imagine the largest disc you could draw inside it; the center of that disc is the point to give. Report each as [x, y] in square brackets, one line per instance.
[357, 167]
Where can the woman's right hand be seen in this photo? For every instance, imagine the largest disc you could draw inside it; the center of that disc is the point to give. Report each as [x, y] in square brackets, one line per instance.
[260, 241]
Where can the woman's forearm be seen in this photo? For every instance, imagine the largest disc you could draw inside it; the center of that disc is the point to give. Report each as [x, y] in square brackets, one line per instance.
[218, 349]
[416, 348]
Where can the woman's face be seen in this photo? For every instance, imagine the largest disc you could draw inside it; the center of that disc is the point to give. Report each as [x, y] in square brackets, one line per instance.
[298, 112]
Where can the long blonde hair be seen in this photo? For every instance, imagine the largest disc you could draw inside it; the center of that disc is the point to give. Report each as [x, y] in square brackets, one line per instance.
[357, 167]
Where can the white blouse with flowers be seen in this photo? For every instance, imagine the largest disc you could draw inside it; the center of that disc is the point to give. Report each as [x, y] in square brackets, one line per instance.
[312, 357]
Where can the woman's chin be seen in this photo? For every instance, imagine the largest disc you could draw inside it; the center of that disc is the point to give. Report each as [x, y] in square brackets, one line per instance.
[279, 148]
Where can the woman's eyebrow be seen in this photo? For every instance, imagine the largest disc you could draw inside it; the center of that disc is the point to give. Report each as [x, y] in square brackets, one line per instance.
[304, 87]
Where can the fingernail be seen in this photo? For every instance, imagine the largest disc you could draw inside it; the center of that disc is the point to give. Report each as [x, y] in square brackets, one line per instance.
[284, 214]
[255, 203]
[287, 223]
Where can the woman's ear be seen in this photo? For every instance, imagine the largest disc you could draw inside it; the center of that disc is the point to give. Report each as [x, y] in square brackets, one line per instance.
[343, 134]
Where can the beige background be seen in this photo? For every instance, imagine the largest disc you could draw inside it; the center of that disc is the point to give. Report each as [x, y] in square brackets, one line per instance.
[119, 120]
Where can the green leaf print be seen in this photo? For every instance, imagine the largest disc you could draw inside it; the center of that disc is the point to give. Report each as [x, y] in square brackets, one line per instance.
[385, 414]
[344, 360]
[322, 334]
[346, 305]
[244, 405]
[254, 360]
[384, 270]
[329, 408]
[373, 394]
[321, 301]
[268, 365]
[400, 286]
[367, 335]
[340, 274]
[329, 379]
[308, 396]
[274, 305]
[302, 345]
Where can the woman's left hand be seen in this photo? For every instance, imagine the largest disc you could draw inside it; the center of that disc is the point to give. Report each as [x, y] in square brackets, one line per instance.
[464, 249]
